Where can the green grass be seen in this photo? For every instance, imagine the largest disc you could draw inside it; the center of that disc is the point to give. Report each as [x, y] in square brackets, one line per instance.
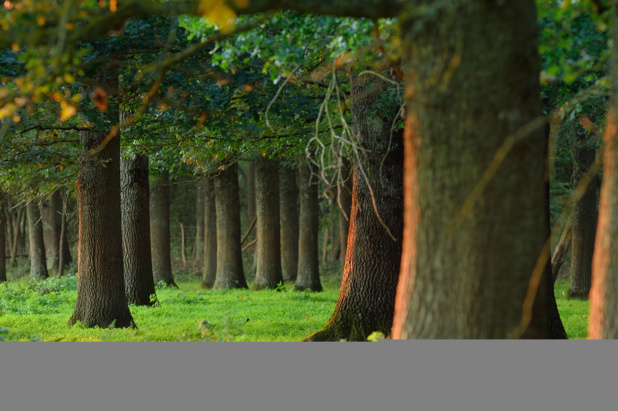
[39, 310]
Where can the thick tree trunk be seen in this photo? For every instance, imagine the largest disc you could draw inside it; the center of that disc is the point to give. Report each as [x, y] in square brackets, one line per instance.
[209, 274]
[198, 245]
[3, 225]
[603, 317]
[288, 199]
[268, 253]
[137, 258]
[308, 265]
[344, 191]
[160, 230]
[472, 81]
[38, 263]
[584, 217]
[230, 272]
[101, 299]
[367, 297]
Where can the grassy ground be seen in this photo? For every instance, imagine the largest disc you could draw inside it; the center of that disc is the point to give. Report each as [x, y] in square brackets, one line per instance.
[39, 310]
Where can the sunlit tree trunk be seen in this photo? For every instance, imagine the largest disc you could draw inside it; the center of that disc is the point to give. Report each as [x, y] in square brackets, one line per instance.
[38, 263]
[268, 252]
[160, 230]
[345, 202]
[209, 274]
[230, 272]
[101, 299]
[603, 317]
[367, 296]
[288, 199]
[135, 196]
[472, 81]
[308, 263]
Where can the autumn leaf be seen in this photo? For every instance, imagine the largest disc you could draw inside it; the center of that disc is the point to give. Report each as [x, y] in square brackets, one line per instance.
[218, 12]
[100, 98]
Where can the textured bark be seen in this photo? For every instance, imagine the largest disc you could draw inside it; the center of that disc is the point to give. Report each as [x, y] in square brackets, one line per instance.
[38, 263]
[603, 317]
[288, 208]
[160, 230]
[230, 272]
[3, 227]
[560, 252]
[251, 214]
[51, 212]
[367, 297]
[345, 202]
[17, 216]
[472, 81]
[268, 253]
[309, 218]
[101, 299]
[209, 273]
[137, 258]
[63, 243]
[198, 245]
[584, 217]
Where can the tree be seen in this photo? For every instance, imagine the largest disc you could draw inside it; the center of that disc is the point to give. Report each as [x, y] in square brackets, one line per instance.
[209, 274]
[345, 201]
[51, 213]
[288, 208]
[230, 272]
[101, 299]
[38, 263]
[2, 239]
[198, 244]
[160, 229]
[367, 297]
[309, 218]
[137, 257]
[268, 253]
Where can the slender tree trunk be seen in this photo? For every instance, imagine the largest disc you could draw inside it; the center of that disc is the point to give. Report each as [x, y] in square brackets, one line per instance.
[309, 219]
[251, 211]
[63, 243]
[584, 217]
[367, 297]
[160, 230]
[101, 299]
[198, 246]
[268, 253]
[51, 218]
[230, 272]
[603, 317]
[3, 225]
[137, 257]
[38, 263]
[344, 191]
[288, 198]
[209, 273]
[470, 258]
[16, 235]
[560, 252]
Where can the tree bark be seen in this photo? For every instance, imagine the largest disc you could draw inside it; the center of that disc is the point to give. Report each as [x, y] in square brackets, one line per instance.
[367, 297]
[198, 245]
[560, 252]
[51, 212]
[209, 274]
[584, 217]
[603, 317]
[38, 263]
[344, 191]
[137, 257]
[3, 225]
[251, 212]
[288, 199]
[467, 272]
[230, 272]
[160, 230]
[63, 243]
[17, 216]
[101, 299]
[268, 253]
[309, 218]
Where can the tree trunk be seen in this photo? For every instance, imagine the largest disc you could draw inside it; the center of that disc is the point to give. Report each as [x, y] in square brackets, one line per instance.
[209, 274]
[251, 214]
[309, 219]
[471, 257]
[584, 217]
[198, 245]
[230, 272]
[51, 212]
[268, 253]
[16, 235]
[288, 198]
[367, 297]
[344, 191]
[3, 225]
[160, 230]
[38, 263]
[135, 196]
[63, 243]
[560, 252]
[603, 317]
[101, 299]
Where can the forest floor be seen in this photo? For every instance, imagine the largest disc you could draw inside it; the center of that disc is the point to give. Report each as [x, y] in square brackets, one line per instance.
[35, 310]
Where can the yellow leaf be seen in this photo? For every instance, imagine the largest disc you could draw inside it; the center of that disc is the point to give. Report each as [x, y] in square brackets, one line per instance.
[68, 78]
[217, 12]
[66, 111]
